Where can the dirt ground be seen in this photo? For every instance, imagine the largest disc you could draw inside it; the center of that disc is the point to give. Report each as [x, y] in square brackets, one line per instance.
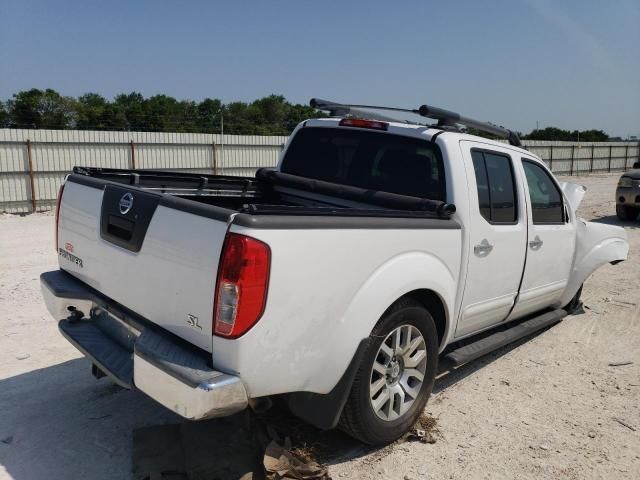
[548, 407]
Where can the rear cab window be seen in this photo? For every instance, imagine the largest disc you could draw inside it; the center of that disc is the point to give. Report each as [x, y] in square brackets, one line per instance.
[370, 160]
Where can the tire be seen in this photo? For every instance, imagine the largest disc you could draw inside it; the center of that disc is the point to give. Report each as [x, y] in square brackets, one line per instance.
[359, 417]
[574, 303]
[625, 212]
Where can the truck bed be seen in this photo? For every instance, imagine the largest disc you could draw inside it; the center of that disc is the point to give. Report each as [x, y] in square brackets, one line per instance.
[272, 193]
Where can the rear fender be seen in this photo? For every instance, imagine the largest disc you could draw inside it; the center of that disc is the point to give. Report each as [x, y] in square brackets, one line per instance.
[392, 280]
[596, 245]
[397, 277]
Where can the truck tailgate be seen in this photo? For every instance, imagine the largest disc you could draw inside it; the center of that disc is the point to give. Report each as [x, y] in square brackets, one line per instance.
[146, 251]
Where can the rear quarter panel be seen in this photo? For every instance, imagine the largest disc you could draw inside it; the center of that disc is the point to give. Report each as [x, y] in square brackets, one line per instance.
[327, 290]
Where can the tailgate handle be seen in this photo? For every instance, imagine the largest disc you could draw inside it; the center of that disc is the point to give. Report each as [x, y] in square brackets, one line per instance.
[126, 227]
[120, 227]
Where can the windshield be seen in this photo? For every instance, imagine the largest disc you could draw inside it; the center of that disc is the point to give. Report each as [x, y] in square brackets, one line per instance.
[369, 160]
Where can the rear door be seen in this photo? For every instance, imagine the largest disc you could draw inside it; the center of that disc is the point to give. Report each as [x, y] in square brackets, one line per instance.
[551, 240]
[497, 234]
[146, 251]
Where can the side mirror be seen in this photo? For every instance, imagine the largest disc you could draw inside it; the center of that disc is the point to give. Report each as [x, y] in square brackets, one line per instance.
[636, 165]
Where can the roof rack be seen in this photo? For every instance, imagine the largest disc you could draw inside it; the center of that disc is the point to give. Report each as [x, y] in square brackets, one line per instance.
[446, 119]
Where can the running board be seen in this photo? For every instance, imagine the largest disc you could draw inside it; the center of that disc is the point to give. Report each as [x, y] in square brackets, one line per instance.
[488, 344]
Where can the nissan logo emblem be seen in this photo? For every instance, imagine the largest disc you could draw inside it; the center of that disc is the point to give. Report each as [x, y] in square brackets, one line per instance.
[125, 203]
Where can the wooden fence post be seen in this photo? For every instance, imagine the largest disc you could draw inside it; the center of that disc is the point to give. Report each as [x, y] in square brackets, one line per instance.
[133, 155]
[33, 185]
[626, 156]
[573, 151]
[215, 159]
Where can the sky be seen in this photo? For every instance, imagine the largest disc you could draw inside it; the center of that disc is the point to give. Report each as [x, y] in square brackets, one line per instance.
[518, 63]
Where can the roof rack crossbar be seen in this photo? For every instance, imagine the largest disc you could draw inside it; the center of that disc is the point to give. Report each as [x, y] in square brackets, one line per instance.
[446, 118]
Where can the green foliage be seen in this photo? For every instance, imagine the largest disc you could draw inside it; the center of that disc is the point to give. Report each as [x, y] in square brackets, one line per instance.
[4, 116]
[95, 112]
[271, 115]
[41, 109]
[553, 133]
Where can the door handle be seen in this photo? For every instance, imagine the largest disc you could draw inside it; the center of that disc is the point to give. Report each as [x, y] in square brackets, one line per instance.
[483, 248]
[536, 243]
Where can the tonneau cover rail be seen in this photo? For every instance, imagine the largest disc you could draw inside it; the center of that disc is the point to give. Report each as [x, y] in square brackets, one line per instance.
[380, 198]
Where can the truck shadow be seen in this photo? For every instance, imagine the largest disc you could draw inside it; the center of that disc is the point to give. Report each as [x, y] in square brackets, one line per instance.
[614, 220]
[58, 422]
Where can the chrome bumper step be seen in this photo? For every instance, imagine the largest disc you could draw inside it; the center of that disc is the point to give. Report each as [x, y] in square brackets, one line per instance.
[110, 357]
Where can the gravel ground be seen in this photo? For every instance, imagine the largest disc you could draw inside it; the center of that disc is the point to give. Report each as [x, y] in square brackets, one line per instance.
[549, 407]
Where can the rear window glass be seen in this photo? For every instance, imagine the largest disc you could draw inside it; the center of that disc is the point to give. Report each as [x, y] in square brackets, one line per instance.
[369, 160]
[495, 182]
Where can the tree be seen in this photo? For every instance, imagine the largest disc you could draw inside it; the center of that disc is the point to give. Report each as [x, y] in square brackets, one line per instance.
[549, 133]
[41, 109]
[209, 113]
[4, 116]
[593, 136]
[236, 119]
[132, 109]
[94, 112]
[557, 134]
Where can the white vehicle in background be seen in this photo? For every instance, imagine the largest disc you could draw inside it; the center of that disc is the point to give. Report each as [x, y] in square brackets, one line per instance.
[338, 280]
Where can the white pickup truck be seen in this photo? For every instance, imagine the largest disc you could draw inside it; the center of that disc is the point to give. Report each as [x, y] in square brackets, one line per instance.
[337, 281]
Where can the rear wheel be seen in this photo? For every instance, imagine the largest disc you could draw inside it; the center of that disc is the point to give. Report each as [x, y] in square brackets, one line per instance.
[625, 212]
[396, 376]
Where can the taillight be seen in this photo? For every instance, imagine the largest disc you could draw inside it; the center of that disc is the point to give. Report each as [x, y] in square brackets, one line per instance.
[361, 123]
[241, 288]
[58, 200]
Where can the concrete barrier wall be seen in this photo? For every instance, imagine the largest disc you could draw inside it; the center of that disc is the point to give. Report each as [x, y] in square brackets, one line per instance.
[41, 158]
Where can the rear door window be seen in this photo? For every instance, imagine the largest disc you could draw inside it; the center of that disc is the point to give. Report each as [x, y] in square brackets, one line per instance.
[496, 186]
[369, 160]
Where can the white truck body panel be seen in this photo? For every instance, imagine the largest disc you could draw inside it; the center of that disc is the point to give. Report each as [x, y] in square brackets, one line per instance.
[328, 288]
[492, 279]
[171, 277]
[596, 245]
[574, 193]
[548, 267]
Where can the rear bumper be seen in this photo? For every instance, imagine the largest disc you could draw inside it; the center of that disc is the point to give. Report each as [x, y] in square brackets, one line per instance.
[138, 355]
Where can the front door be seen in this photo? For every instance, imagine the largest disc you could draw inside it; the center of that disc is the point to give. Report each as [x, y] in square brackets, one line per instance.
[497, 237]
[551, 242]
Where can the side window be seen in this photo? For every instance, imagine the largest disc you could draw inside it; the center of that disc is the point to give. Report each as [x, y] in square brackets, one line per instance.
[546, 199]
[482, 184]
[496, 192]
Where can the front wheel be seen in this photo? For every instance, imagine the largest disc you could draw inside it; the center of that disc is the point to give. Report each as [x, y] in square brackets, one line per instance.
[396, 376]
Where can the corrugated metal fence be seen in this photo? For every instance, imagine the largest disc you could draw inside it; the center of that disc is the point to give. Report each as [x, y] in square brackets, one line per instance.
[34, 162]
[572, 158]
